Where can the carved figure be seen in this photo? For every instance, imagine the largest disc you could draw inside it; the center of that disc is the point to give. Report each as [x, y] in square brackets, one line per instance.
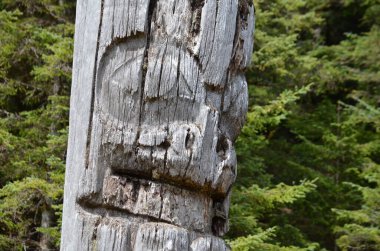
[159, 97]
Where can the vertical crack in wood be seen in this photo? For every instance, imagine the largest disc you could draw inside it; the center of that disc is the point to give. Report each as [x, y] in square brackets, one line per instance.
[160, 145]
[151, 8]
[88, 144]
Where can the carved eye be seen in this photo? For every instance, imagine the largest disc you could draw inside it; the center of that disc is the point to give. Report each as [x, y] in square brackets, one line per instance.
[119, 79]
[171, 72]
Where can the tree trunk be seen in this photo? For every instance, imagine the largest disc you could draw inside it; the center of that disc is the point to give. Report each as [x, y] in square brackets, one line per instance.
[158, 98]
[46, 221]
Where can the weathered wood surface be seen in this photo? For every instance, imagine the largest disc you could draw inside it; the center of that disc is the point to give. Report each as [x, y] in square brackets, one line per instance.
[158, 99]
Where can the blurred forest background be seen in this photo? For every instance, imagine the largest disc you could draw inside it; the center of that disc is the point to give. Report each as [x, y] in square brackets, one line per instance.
[309, 155]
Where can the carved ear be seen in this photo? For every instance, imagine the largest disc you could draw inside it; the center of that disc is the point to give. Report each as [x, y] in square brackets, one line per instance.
[245, 28]
[235, 107]
[214, 45]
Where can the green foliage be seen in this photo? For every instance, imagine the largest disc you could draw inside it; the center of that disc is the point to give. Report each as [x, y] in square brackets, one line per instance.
[251, 203]
[262, 240]
[18, 218]
[309, 155]
[360, 229]
[328, 132]
[35, 74]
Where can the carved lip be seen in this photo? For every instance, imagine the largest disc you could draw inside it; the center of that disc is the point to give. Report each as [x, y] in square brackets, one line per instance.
[213, 178]
[131, 196]
[180, 183]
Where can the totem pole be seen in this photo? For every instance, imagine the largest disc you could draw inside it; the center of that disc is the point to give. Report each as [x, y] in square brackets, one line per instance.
[158, 98]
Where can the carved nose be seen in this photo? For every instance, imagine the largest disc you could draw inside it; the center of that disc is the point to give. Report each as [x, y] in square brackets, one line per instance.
[180, 139]
[184, 140]
[225, 173]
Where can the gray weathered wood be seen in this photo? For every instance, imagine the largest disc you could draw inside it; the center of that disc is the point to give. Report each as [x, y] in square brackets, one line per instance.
[158, 99]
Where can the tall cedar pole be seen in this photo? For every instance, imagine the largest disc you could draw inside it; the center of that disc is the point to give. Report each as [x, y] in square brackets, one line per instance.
[158, 98]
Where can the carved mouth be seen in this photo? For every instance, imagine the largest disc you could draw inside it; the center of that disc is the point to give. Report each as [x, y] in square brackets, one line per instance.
[179, 174]
[130, 196]
[182, 155]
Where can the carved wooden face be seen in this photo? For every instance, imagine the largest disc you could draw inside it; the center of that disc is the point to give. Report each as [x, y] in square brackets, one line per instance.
[167, 109]
[163, 127]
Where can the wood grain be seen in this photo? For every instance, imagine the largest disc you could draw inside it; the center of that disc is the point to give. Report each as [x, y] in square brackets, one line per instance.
[158, 99]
